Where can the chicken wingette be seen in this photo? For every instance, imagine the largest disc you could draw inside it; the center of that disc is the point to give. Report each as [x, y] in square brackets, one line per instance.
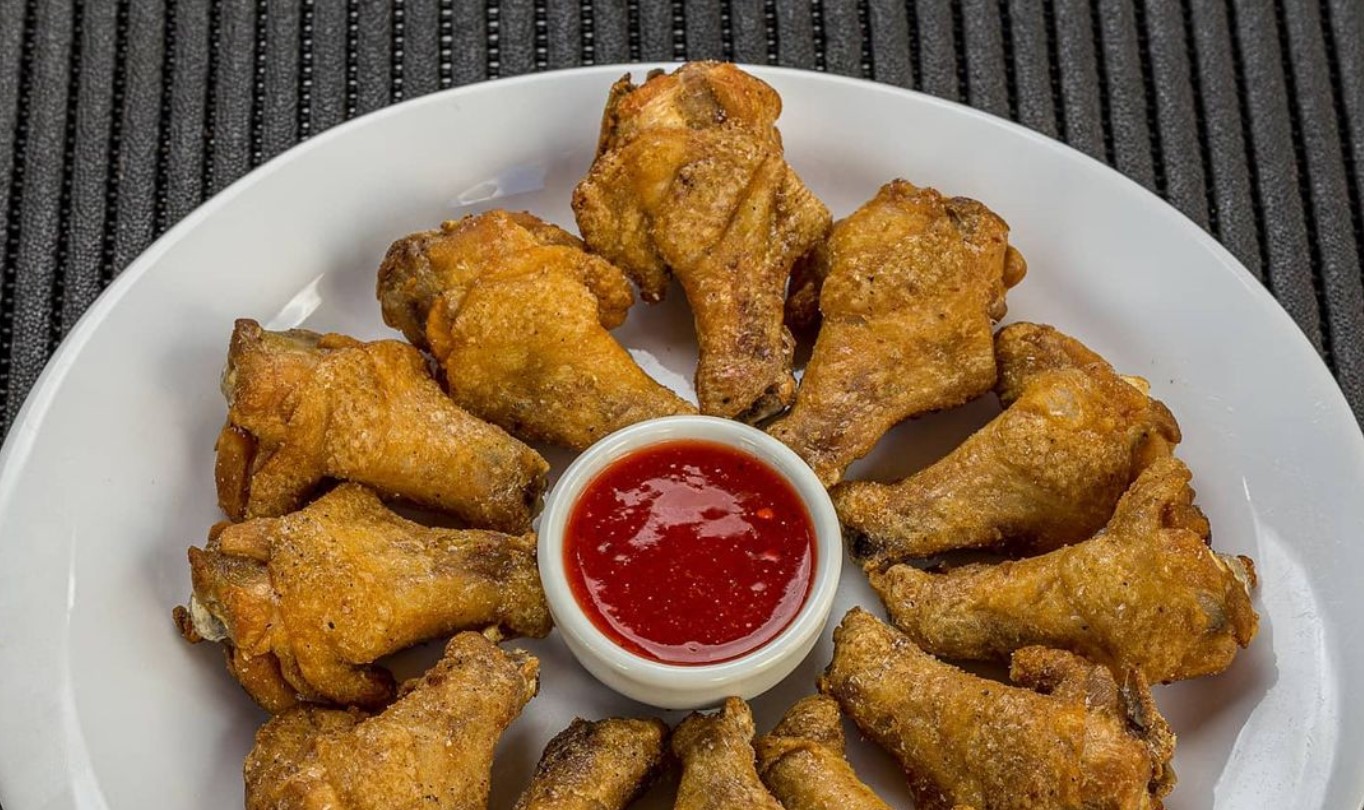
[305, 407]
[1047, 471]
[518, 316]
[306, 603]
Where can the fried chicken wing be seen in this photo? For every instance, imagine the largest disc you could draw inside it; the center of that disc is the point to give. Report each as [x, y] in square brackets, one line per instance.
[716, 753]
[1146, 593]
[602, 765]
[430, 750]
[517, 314]
[801, 761]
[1046, 472]
[306, 603]
[420, 268]
[1074, 739]
[912, 283]
[690, 180]
[303, 407]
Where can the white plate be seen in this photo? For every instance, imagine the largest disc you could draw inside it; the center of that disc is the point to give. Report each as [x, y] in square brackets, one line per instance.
[107, 474]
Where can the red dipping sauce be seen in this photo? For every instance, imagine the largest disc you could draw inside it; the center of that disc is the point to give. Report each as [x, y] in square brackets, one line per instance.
[690, 552]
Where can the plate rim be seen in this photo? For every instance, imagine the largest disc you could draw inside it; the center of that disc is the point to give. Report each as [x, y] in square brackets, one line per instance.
[31, 416]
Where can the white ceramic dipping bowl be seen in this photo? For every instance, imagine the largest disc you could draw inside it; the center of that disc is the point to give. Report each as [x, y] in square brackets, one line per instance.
[678, 686]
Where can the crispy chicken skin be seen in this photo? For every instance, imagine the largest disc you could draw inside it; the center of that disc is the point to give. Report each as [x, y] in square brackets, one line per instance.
[303, 407]
[912, 284]
[421, 268]
[716, 753]
[690, 180]
[517, 314]
[1146, 593]
[801, 761]
[307, 602]
[1072, 738]
[980, 226]
[1046, 472]
[430, 750]
[601, 765]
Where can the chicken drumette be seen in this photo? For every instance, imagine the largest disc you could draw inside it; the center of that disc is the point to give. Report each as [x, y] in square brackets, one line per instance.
[911, 285]
[601, 765]
[431, 750]
[304, 604]
[1146, 593]
[517, 314]
[1075, 737]
[1046, 472]
[718, 771]
[801, 761]
[690, 180]
[304, 407]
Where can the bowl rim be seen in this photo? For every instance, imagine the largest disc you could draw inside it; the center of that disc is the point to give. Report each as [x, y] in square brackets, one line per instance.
[584, 636]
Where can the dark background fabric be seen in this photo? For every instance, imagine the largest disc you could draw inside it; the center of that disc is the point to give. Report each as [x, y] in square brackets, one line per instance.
[118, 117]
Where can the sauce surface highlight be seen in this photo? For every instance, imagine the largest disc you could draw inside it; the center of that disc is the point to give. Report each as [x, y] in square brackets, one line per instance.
[690, 552]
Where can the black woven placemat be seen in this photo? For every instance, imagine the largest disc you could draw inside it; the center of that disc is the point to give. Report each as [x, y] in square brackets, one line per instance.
[118, 117]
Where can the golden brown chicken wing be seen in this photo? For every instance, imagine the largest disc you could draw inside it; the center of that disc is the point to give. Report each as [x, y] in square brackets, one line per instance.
[420, 268]
[912, 283]
[1146, 593]
[716, 753]
[1047, 471]
[517, 313]
[801, 761]
[1075, 739]
[602, 765]
[690, 180]
[307, 602]
[303, 407]
[431, 750]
